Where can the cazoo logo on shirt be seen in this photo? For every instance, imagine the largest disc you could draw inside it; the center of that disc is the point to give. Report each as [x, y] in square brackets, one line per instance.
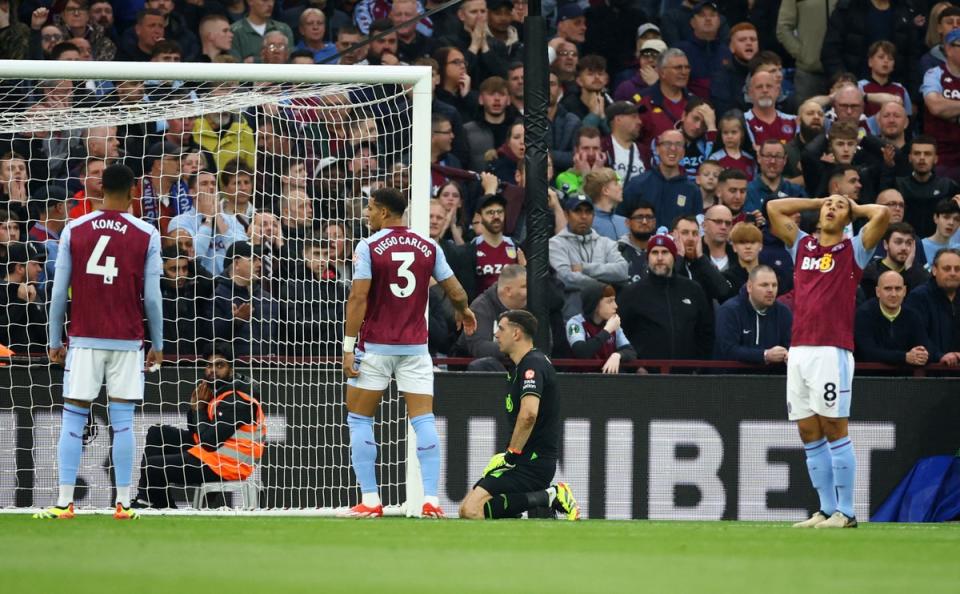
[824, 263]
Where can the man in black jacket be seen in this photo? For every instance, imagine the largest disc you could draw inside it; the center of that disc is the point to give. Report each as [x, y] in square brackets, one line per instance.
[666, 316]
[694, 262]
[937, 304]
[900, 248]
[166, 457]
[923, 188]
[754, 327]
[510, 292]
[886, 332]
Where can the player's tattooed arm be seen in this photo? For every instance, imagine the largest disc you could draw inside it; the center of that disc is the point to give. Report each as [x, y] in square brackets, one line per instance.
[458, 297]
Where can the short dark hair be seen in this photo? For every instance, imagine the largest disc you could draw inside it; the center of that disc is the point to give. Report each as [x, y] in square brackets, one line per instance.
[684, 217]
[731, 173]
[145, 12]
[301, 53]
[380, 25]
[231, 170]
[944, 252]
[172, 252]
[843, 131]
[763, 58]
[950, 11]
[391, 199]
[61, 48]
[166, 46]
[117, 179]
[644, 205]
[882, 46]
[923, 139]
[593, 63]
[222, 349]
[903, 227]
[523, 319]
[946, 206]
[839, 172]
[586, 132]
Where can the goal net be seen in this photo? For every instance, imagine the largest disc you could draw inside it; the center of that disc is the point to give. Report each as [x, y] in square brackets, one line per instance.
[257, 177]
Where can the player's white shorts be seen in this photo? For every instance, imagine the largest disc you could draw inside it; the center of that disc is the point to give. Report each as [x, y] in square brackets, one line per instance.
[85, 370]
[414, 373]
[819, 382]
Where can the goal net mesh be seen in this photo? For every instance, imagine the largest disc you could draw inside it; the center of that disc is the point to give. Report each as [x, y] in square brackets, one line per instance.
[285, 168]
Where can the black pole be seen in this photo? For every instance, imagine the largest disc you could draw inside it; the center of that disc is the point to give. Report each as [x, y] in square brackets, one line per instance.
[536, 94]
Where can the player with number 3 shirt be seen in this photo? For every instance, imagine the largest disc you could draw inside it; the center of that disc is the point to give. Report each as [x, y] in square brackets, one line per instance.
[385, 335]
[827, 271]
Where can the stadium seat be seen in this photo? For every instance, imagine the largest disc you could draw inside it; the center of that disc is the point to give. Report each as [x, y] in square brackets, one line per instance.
[249, 491]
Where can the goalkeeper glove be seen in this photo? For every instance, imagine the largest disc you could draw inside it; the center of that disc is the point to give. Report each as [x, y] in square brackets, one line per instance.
[503, 461]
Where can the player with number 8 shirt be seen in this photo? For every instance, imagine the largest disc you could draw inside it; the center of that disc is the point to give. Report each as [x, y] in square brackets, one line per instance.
[827, 271]
[385, 335]
[109, 262]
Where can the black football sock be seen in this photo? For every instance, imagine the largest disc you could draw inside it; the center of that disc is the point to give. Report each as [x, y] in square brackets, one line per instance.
[511, 505]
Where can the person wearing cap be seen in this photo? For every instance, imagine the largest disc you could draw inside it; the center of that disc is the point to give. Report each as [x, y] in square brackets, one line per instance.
[162, 193]
[491, 250]
[705, 50]
[595, 333]
[23, 299]
[941, 96]
[579, 255]
[49, 210]
[624, 154]
[947, 20]
[754, 327]
[243, 313]
[603, 188]
[500, 23]
[675, 24]
[646, 71]
[666, 316]
[727, 87]
[665, 186]
[571, 23]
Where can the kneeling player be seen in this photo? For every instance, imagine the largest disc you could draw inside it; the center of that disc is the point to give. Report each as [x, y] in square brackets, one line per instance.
[519, 479]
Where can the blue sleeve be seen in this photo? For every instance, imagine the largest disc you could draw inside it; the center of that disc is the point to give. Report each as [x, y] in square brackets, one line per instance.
[621, 339]
[61, 286]
[792, 249]
[152, 300]
[361, 262]
[931, 82]
[861, 253]
[441, 269]
[907, 103]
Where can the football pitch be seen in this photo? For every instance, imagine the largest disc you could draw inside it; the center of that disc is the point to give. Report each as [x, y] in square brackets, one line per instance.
[274, 554]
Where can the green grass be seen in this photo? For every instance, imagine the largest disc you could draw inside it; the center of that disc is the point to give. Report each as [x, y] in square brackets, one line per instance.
[266, 555]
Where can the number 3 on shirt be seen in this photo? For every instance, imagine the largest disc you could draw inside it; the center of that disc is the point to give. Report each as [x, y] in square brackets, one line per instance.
[108, 270]
[410, 281]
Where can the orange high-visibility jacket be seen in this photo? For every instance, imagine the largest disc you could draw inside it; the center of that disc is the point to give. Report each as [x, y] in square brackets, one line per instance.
[235, 458]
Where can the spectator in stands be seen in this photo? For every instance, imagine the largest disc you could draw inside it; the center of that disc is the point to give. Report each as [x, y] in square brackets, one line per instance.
[177, 28]
[810, 120]
[708, 175]
[946, 218]
[275, 48]
[699, 129]
[75, 21]
[624, 155]
[666, 316]
[677, 25]
[595, 333]
[900, 251]
[691, 261]
[14, 178]
[187, 305]
[842, 147]
[732, 191]
[565, 65]
[705, 49]
[490, 130]
[216, 38]
[163, 195]
[503, 161]
[588, 156]
[886, 332]
[43, 37]
[800, 28]
[384, 49]
[603, 188]
[733, 149]
[500, 24]
[940, 95]
[441, 146]
[879, 88]
[90, 197]
[14, 36]
[754, 327]
[579, 255]
[563, 128]
[728, 84]
[571, 23]
[101, 13]
[49, 212]
[225, 135]
[924, 188]
[412, 43]
[212, 230]
[890, 126]
[764, 120]
[642, 223]
[243, 314]
[236, 192]
[23, 299]
[491, 250]
[347, 37]
[665, 103]
[316, 300]
[486, 55]
[936, 302]
[9, 232]
[646, 74]
[313, 34]
[590, 101]
[665, 186]
[747, 242]
[147, 32]
[717, 224]
[770, 184]
[249, 32]
[947, 20]
[510, 292]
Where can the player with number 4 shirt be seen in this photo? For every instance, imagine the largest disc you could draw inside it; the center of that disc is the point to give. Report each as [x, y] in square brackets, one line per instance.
[109, 263]
[385, 335]
[827, 271]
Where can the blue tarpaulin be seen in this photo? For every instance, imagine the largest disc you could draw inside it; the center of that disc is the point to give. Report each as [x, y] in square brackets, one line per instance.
[929, 493]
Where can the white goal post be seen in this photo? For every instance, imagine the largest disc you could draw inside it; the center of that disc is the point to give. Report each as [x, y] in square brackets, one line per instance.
[293, 117]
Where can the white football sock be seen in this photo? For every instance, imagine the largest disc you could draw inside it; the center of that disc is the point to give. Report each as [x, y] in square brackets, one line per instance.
[66, 495]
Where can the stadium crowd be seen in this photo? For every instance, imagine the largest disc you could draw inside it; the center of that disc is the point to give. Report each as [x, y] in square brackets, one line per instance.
[673, 123]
